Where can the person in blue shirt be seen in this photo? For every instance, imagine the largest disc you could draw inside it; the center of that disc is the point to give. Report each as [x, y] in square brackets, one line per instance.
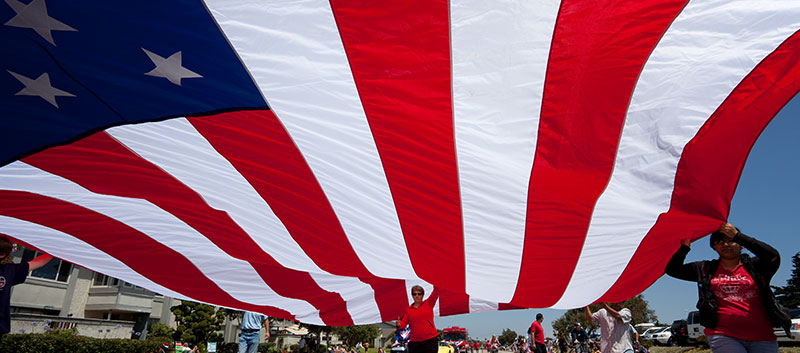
[251, 326]
[12, 274]
[579, 337]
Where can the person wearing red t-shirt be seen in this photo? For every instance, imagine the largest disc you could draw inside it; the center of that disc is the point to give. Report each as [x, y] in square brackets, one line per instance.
[537, 333]
[419, 316]
[737, 306]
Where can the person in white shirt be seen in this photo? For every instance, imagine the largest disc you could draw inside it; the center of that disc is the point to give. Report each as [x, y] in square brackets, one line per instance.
[613, 321]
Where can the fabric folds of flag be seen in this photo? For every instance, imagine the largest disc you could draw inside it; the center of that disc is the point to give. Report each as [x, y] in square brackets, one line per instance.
[313, 160]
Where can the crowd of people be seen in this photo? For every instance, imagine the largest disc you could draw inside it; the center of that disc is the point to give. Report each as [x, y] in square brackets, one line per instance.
[737, 306]
[357, 348]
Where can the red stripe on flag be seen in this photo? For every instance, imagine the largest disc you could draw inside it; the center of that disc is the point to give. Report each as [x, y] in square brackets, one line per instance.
[453, 303]
[104, 166]
[262, 151]
[595, 60]
[125, 244]
[399, 53]
[711, 165]
[390, 295]
[506, 306]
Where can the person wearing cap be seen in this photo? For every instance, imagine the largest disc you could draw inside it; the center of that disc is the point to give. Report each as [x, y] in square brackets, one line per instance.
[579, 336]
[12, 274]
[737, 306]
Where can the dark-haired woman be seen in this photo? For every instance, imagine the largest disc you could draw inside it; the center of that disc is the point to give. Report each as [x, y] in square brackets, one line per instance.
[737, 306]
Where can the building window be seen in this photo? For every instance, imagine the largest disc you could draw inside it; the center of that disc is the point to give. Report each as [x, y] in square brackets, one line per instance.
[101, 280]
[56, 269]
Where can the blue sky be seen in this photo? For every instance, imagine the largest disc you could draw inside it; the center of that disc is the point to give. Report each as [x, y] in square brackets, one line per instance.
[766, 205]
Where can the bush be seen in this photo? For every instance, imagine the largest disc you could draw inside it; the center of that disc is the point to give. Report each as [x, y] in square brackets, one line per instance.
[227, 347]
[294, 348]
[160, 331]
[268, 347]
[57, 343]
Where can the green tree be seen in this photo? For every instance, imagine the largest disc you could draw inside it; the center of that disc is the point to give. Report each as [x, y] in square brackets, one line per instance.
[161, 332]
[233, 314]
[507, 337]
[789, 295]
[640, 312]
[354, 334]
[198, 323]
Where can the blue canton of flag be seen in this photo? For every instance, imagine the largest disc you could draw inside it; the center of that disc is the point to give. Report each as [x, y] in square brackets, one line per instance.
[72, 68]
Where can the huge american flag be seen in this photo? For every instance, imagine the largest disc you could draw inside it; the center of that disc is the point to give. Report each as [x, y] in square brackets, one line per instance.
[314, 159]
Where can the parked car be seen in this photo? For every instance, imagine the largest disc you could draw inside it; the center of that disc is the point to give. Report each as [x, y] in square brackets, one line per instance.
[445, 347]
[795, 315]
[660, 335]
[648, 334]
[680, 333]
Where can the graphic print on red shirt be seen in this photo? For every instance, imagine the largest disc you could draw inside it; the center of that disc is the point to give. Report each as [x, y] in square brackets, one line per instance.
[741, 313]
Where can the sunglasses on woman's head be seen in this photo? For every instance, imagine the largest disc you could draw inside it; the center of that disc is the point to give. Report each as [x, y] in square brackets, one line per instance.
[416, 293]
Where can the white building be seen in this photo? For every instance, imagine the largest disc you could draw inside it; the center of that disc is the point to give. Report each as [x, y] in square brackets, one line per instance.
[61, 295]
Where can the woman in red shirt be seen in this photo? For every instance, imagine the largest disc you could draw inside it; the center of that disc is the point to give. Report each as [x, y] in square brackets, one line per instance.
[419, 315]
[737, 307]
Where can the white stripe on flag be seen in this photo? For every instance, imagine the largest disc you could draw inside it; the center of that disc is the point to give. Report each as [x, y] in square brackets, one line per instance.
[236, 277]
[358, 296]
[477, 305]
[295, 54]
[679, 88]
[500, 52]
[65, 246]
[176, 147]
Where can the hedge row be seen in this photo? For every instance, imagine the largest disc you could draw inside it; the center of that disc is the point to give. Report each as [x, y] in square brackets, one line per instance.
[70, 343]
[48, 343]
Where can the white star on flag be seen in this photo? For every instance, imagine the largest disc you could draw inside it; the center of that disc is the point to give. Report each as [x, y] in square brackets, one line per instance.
[35, 17]
[40, 87]
[169, 68]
